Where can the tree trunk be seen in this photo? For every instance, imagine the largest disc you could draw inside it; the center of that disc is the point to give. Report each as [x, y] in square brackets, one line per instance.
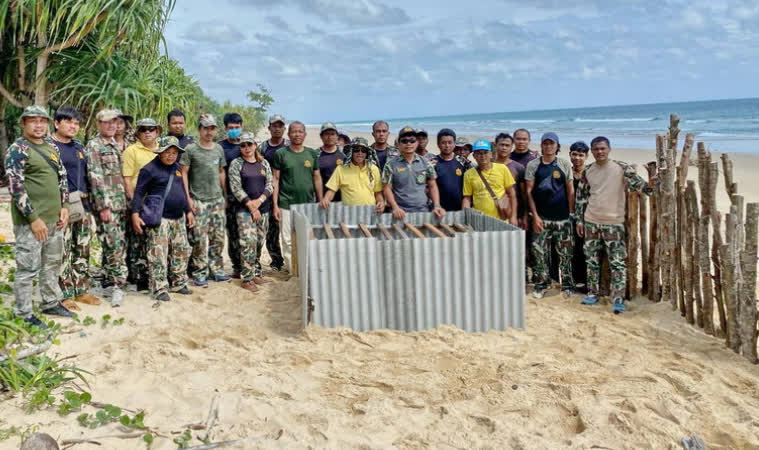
[748, 311]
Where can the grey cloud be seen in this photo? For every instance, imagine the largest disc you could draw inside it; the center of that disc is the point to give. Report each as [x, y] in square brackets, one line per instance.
[350, 12]
[212, 32]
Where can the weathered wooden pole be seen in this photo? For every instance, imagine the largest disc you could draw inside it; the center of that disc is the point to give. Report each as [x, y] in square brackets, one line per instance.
[687, 253]
[717, 243]
[727, 171]
[653, 242]
[704, 160]
[731, 278]
[706, 275]
[643, 232]
[680, 254]
[667, 223]
[692, 244]
[748, 303]
[633, 243]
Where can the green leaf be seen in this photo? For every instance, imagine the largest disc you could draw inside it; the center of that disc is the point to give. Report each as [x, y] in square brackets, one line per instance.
[86, 397]
[125, 420]
[148, 438]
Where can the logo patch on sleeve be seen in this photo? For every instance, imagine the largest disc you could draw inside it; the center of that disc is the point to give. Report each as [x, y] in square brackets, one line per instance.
[307, 163]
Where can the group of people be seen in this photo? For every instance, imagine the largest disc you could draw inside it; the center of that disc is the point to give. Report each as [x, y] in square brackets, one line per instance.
[164, 207]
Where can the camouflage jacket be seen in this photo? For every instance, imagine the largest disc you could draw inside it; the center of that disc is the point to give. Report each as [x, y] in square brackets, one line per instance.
[633, 183]
[15, 160]
[235, 180]
[104, 172]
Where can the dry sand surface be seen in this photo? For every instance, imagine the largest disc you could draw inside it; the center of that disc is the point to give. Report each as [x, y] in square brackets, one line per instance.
[577, 377]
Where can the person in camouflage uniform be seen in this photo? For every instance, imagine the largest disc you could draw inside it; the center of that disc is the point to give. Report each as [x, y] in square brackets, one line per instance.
[108, 202]
[250, 179]
[167, 242]
[75, 277]
[600, 216]
[33, 166]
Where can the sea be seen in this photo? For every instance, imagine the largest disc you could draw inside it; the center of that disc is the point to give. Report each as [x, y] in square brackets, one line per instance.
[723, 125]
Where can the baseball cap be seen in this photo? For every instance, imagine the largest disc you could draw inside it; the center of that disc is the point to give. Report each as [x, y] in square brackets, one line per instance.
[550, 135]
[34, 111]
[481, 144]
[406, 131]
[462, 141]
[207, 120]
[248, 137]
[125, 117]
[421, 132]
[276, 118]
[104, 115]
[148, 122]
[326, 126]
[167, 143]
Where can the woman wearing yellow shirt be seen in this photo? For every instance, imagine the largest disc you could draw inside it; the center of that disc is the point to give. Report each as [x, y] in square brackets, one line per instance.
[498, 177]
[358, 180]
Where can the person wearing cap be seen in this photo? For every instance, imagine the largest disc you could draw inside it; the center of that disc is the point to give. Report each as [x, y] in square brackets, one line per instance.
[75, 277]
[423, 139]
[450, 170]
[578, 154]
[231, 145]
[268, 148]
[407, 179]
[503, 144]
[204, 177]
[39, 191]
[600, 218]
[550, 193]
[252, 183]
[124, 136]
[382, 150]
[296, 179]
[108, 201]
[496, 176]
[135, 157]
[330, 156]
[463, 148]
[167, 243]
[343, 140]
[358, 179]
[177, 122]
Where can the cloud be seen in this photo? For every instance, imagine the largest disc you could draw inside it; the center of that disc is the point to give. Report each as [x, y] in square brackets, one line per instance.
[353, 12]
[210, 31]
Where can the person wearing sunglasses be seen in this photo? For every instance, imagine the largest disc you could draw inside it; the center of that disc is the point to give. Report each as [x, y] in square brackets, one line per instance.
[137, 156]
[407, 179]
[358, 179]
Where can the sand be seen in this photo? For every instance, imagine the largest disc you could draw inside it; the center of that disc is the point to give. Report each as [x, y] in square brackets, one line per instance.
[577, 377]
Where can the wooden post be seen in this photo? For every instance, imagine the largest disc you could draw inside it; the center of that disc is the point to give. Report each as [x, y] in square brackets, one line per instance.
[294, 251]
[633, 244]
[653, 243]
[328, 230]
[346, 230]
[687, 256]
[748, 312]
[706, 275]
[400, 231]
[717, 243]
[692, 249]
[680, 251]
[414, 230]
[727, 171]
[729, 257]
[428, 226]
[385, 232]
[448, 228]
[364, 230]
[704, 160]
[667, 222]
[643, 232]
[674, 132]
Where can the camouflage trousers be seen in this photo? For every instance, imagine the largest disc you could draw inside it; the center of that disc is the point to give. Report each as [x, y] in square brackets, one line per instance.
[233, 236]
[75, 276]
[555, 233]
[112, 237]
[136, 253]
[207, 239]
[252, 238]
[168, 248]
[34, 258]
[612, 238]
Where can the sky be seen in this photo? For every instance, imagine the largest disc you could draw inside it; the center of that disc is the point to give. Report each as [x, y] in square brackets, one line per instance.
[351, 60]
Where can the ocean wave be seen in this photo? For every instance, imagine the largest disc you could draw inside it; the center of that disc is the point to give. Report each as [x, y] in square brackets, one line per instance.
[627, 119]
[711, 134]
[531, 120]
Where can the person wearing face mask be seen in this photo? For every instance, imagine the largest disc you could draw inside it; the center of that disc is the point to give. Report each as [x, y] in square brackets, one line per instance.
[550, 195]
[358, 179]
[231, 146]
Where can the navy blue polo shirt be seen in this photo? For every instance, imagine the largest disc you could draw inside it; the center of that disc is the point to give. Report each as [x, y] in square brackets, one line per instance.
[450, 182]
[328, 162]
[550, 189]
[253, 179]
[152, 180]
[72, 156]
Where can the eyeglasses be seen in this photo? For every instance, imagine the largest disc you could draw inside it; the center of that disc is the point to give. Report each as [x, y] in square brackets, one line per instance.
[407, 140]
[146, 129]
[361, 150]
[246, 145]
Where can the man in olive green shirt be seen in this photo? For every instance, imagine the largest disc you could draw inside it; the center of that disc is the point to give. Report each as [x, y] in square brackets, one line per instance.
[296, 178]
[39, 191]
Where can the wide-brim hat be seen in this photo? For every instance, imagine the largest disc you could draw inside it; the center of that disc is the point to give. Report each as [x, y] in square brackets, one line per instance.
[148, 122]
[34, 111]
[248, 137]
[167, 143]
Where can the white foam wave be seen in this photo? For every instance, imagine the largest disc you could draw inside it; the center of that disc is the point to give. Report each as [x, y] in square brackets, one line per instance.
[627, 119]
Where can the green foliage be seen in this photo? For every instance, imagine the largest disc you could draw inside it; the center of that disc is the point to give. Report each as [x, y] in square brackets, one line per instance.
[88, 321]
[73, 402]
[22, 433]
[262, 98]
[147, 438]
[110, 414]
[183, 440]
[106, 318]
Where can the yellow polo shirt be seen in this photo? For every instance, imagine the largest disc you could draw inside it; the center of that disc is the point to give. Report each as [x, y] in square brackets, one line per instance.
[353, 182]
[499, 178]
[135, 157]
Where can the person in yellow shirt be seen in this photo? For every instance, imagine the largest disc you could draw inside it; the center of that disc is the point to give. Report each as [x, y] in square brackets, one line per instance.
[135, 157]
[358, 180]
[498, 177]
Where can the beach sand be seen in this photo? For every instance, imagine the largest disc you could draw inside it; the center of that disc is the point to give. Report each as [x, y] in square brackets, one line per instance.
[577, 377]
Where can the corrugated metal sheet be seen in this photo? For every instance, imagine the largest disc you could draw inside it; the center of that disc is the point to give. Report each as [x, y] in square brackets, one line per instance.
[473, 280]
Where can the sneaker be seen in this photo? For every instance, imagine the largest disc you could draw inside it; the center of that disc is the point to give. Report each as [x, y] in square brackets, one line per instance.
[88, 299]
[221, 278]
[184, 291]
[200, 283]
[117, 298]
[619, 306]
[260, 280]
[33, 320]
[590, 300]
[57, 310]
[163, 297]
[568, 293]
[249, 286]
[538, 293]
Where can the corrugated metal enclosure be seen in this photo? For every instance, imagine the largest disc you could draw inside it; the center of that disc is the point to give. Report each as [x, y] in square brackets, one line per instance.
[472, 278]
